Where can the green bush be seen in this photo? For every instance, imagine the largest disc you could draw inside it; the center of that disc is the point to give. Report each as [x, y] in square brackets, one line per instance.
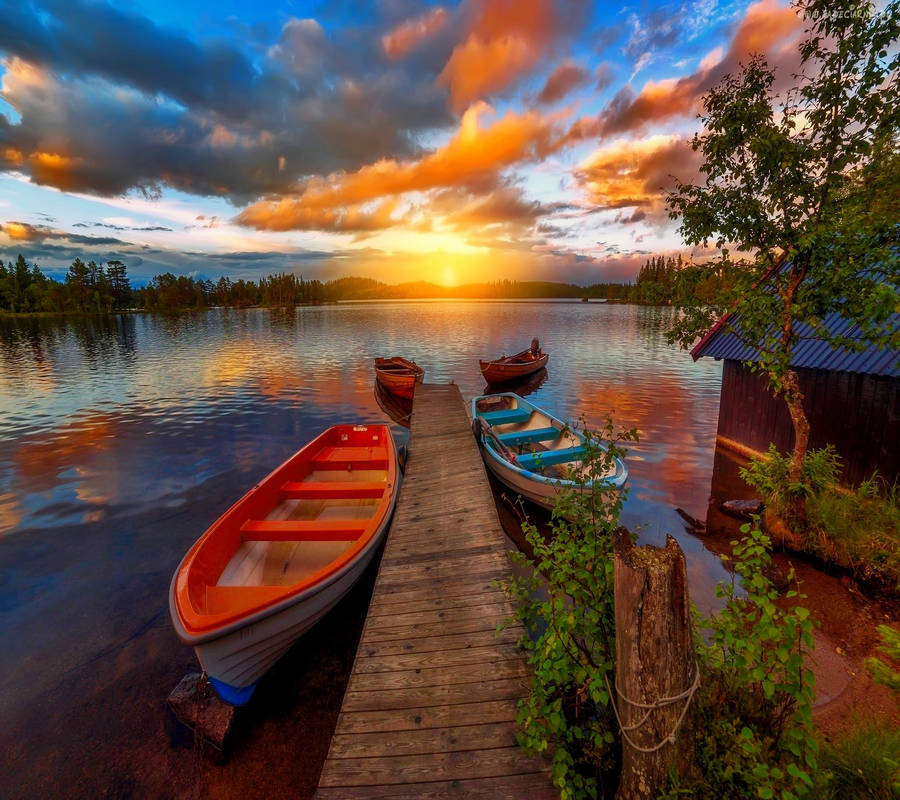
[566, 606]
[770, 476]
[753, 715]
[858, 530]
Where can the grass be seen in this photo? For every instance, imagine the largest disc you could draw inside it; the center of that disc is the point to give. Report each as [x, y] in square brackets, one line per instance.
[855, 529]
[863, 765]
[863, 527]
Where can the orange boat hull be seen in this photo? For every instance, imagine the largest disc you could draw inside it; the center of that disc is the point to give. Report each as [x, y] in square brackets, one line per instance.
[503, 370]
[398, 375]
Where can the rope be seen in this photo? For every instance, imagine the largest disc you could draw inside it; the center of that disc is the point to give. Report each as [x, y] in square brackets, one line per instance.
[687, 695]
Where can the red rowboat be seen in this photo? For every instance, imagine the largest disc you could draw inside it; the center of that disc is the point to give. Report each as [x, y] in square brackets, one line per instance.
[282, 556]
[509, 368]
[398, 375]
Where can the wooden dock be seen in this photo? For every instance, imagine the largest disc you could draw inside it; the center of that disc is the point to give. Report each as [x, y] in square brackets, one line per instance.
[429, 711]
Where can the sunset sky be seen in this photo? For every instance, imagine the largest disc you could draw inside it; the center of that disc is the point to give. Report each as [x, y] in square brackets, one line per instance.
[449, 142]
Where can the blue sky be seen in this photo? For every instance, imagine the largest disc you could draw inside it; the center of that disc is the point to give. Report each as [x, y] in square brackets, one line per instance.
[480, 140]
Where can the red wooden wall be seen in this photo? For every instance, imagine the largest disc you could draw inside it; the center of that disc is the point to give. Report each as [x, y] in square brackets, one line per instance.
[859, 414]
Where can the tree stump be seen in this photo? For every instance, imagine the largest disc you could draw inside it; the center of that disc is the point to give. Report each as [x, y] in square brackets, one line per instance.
[655, 664]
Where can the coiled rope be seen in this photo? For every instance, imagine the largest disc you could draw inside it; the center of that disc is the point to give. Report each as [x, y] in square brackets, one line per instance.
[687, 695]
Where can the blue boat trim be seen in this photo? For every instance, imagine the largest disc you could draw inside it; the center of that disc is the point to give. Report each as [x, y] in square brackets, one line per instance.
[547, 458]
[526, 437]
[506, 417]
[616, 481]
[233, 695]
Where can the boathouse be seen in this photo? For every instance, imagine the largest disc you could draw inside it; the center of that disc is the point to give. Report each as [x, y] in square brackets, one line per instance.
[851, 398]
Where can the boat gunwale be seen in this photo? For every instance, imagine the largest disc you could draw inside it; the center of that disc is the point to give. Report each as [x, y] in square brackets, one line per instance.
[509, 369]
[222, 624]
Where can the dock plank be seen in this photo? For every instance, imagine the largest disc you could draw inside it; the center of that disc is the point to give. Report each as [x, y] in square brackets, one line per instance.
[430, 707]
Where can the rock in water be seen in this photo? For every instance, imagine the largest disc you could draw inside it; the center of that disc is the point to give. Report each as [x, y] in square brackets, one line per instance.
[195, 704]
[743, 509]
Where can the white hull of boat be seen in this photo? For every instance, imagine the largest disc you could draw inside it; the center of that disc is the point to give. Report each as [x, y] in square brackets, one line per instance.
[242, 653]
[543, 494]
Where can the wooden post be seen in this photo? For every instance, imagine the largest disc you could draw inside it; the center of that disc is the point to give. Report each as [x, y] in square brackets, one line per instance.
[655, 665]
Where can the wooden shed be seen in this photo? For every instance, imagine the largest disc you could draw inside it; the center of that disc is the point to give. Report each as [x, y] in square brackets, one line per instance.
[852, 399]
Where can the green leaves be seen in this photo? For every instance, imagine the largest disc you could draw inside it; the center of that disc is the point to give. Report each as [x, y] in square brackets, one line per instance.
[567, 607]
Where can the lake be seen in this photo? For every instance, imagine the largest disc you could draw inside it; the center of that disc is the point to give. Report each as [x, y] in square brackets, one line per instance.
[122, 438]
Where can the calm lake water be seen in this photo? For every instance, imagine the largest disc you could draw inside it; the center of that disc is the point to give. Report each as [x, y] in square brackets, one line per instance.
[123, 438]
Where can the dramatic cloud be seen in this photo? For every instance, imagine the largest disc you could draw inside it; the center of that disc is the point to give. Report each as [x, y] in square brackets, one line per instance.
[202, 118]
[411, 34]
[764, 29]
[366, 130]
[566, 77]
[505, 40]
[637, 174]
[502, 211]
[26, 232]
[473, 157]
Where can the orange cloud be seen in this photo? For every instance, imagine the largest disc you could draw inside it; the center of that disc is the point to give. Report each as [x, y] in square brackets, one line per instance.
[503, 208]
[474, 156]
[410, 34]
[566, 77]
[637, 173]
[18, 231]
[56, 169]
[13, 157]
[505, 40]
[765, 25]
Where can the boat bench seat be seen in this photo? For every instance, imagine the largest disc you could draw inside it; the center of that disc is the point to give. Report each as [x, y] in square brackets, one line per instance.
[222, 599]
[297, 530]
[334, 458]
[546, 458]
[525, 437]
[507, 416]
[333, 490]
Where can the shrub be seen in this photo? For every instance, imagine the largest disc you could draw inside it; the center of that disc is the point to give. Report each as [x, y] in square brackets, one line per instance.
[771, 475]
[566, 606]
[753, 718]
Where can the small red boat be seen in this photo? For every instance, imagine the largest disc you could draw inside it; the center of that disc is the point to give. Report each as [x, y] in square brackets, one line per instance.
[509, 368]
[398, 375]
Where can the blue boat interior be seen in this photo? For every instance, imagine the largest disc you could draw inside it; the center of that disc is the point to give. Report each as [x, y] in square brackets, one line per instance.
[547, 458]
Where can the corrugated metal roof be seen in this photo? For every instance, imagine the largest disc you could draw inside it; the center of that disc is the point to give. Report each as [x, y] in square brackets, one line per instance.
[811, 352]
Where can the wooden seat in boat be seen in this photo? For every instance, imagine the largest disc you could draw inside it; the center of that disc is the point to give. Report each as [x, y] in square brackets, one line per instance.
[507, 416]
[546, 458]
[527, 437]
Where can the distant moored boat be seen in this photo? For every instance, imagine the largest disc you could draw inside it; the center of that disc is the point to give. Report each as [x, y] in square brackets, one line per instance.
[282, 556]
[509, 368]
[398, 375]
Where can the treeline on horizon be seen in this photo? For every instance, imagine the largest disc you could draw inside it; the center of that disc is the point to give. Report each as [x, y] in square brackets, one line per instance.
[94, 288]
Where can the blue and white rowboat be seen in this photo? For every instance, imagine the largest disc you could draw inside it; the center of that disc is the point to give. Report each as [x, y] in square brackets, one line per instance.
[532, 452]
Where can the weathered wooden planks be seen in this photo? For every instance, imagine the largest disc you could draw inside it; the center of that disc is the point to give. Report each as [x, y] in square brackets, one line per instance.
[430, 708]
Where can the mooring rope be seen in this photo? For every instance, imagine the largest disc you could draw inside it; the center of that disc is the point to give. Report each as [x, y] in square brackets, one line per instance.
[687, 695]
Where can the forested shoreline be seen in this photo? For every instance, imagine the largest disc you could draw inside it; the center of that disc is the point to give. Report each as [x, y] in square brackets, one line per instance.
[95, 288]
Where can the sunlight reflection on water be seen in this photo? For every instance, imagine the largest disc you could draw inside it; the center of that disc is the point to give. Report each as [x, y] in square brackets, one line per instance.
[102, 418]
